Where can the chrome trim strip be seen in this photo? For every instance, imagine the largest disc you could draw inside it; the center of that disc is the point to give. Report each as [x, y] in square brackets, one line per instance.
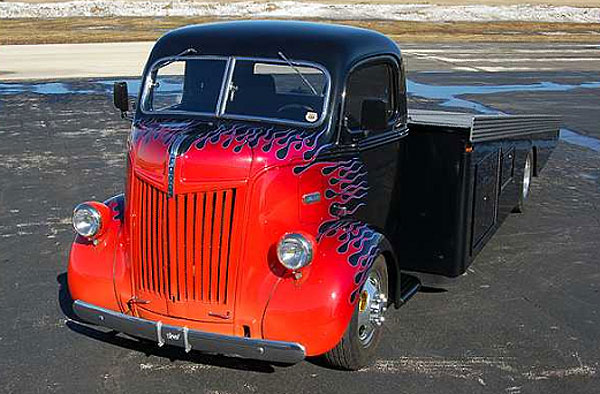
[382, 139]
[258, 349]
[172, 161]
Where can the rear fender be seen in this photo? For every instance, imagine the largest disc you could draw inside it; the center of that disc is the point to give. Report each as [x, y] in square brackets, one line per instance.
[316, 308]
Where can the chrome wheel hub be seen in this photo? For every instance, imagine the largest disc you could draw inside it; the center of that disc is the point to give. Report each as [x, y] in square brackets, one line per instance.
[371, 307]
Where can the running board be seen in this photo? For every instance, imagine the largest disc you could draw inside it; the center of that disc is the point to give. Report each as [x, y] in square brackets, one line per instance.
[409, 286]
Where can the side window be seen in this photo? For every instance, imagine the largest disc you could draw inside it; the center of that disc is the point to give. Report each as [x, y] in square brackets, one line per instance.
[373, 81]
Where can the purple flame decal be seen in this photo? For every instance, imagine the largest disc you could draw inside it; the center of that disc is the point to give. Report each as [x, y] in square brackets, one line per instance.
[360, 242]
[281, 142]
[155, 130]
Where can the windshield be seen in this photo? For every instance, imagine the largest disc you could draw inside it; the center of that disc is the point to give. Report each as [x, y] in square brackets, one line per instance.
[185, 86]
[237, 88]
[276, 91]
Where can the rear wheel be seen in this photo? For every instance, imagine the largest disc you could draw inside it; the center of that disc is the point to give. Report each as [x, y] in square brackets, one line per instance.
[525, 183]
[357, 347]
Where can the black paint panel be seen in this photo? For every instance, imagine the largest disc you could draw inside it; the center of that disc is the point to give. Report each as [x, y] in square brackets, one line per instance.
[484, 203]
[507, 166]
[456, 194]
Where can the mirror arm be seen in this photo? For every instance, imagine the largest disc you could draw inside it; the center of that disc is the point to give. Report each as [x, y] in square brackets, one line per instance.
[127, 116]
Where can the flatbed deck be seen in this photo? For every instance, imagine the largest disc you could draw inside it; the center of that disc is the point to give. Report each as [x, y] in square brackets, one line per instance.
[485, 127]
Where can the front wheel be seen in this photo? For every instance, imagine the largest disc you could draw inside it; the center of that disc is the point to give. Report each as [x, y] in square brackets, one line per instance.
[357, 347]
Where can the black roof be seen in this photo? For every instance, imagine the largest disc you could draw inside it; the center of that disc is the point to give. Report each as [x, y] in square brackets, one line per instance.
[336, 47]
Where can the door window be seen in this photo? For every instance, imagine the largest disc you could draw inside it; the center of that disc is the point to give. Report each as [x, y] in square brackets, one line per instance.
[373, 81]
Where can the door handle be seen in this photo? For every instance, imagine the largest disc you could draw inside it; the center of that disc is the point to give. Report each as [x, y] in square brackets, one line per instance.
[339, 210]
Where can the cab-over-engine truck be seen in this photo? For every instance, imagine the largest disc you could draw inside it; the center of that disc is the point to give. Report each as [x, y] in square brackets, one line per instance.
[280, 197]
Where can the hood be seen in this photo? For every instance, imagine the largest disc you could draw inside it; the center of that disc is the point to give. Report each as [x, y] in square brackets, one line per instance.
[198, 153]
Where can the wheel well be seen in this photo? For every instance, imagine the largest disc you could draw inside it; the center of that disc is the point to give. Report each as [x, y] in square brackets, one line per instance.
[535, 160]
[393, 275]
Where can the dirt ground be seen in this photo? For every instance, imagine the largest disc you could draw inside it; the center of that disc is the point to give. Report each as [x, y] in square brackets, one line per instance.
[573, 3]
[119, 29]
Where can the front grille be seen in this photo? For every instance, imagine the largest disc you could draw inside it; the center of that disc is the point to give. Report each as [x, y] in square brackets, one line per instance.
[181, 246]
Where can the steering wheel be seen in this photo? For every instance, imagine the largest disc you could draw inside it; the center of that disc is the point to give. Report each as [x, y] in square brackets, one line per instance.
[287, 107]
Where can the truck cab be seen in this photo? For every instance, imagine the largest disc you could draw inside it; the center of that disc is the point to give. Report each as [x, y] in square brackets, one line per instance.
[265, 212]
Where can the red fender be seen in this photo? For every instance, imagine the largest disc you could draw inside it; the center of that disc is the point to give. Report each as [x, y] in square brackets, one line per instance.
[95, 268]
[316, 309]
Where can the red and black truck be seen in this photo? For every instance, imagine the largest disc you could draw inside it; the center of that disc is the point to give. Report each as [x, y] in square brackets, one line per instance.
[280, 196]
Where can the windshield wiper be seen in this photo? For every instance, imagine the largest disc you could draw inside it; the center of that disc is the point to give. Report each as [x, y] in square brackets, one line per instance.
[189, 51]
[281, 55]
[154, 84]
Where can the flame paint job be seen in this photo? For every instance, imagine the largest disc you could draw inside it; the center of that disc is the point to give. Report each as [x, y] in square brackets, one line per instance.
[155, 130]
[117, 206]
[275, 165]
[282, 143]
[360, 244]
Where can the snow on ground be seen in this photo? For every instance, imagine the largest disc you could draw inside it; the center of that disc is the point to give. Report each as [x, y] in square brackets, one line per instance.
[297, 9]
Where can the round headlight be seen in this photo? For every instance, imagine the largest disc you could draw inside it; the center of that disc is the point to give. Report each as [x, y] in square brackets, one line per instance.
[294, 251]
[86, 220]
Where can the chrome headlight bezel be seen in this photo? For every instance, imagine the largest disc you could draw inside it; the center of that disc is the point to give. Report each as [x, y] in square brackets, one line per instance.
[295, 251]
[87, 211]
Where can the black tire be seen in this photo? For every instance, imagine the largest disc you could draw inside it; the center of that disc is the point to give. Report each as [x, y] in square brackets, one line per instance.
[525, 183]
[351, 353]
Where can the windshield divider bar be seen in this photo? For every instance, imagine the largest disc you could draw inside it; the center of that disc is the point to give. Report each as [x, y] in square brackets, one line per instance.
[225, 87]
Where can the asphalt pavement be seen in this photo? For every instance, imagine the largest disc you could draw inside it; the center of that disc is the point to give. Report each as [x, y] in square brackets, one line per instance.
[523, 319]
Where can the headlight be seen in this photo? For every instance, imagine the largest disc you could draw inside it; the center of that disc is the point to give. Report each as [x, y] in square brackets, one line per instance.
[294, 251]
[86, 220]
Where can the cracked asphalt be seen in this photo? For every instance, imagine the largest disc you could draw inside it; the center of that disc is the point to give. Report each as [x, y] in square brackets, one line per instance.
[525, 318]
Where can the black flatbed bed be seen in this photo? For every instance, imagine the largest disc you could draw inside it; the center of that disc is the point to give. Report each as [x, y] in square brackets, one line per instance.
[465, 175]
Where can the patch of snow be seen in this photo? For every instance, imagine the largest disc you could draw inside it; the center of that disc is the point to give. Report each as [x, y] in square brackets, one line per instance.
[300, 10]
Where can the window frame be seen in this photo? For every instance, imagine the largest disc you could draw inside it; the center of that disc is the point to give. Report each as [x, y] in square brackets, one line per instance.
[393, 63]
[224, 92]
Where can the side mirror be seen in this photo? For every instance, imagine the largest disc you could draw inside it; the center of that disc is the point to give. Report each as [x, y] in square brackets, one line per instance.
[121, 97]
[373, 115]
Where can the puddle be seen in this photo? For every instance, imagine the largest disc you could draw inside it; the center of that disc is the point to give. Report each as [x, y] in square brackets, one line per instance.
[574, 138]
[448, 94]
[58, 88]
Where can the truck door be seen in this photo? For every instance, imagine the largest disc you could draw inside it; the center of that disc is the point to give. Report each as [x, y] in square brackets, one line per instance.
[376, 88]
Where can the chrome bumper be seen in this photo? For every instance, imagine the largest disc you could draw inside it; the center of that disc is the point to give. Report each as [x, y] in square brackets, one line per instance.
[164, 334]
